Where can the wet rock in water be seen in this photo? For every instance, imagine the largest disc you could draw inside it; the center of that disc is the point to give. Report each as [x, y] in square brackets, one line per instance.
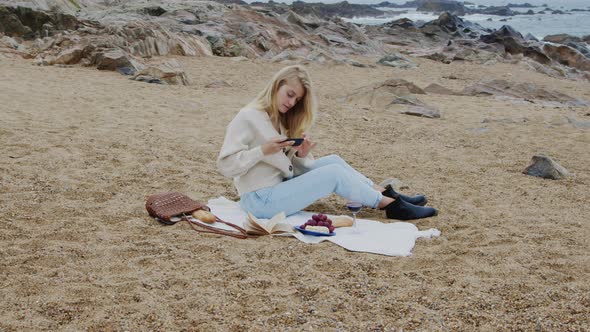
[574, 42]
[422, 111]
[497, 10]
[530, 37]
[561, 38]
[398, 61]
[170, 72]
[438, 6]
[439, 90]
[543, 166]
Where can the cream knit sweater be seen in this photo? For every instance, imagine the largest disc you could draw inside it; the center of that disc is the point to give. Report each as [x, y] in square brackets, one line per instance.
[241, 156]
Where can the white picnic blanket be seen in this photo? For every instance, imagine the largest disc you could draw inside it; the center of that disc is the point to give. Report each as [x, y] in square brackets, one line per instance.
[391, 239]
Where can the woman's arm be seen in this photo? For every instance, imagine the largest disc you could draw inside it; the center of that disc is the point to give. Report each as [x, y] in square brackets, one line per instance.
[236, 157]
[240, 151]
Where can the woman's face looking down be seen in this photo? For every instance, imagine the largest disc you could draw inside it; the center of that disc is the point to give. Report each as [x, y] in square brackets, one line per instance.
[289, 94]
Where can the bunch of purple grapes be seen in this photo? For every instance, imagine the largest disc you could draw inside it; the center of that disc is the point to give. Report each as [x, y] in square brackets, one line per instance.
[319, 220]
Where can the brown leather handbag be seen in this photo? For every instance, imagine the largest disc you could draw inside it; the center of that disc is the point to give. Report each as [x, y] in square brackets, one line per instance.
[172, 207]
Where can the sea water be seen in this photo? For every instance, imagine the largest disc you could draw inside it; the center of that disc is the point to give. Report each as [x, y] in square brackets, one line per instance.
[575, 23]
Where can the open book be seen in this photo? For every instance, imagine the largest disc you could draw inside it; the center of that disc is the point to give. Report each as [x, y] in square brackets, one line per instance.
[276, 225]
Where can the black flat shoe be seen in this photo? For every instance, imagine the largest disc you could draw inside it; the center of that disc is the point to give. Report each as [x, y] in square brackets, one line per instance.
[414, 200]
[402, 210]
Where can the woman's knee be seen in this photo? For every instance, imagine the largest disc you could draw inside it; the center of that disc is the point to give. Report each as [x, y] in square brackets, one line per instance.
[335, 159]
[332, 172]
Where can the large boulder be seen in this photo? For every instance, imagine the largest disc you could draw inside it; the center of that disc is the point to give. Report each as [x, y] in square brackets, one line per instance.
[304, 22]
[514, 43]
[70, 56]
[31, 24]
[116, 59]
[147, 39]
[574, 42]
[561, 38]
[453, 25]
[382, 94]
[567, 56]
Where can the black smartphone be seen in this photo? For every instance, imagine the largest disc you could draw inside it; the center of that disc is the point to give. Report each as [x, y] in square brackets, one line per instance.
[297, 141]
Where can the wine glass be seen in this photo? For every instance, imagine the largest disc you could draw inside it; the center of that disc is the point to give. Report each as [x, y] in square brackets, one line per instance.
[354, 208]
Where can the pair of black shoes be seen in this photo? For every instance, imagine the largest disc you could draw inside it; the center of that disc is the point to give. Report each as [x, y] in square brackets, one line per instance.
[407, 207]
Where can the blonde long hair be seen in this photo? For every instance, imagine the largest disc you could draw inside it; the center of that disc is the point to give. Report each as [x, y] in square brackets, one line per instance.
[301, 116]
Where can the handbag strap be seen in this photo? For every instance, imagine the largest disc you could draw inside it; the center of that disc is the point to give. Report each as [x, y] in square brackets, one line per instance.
[204, 228]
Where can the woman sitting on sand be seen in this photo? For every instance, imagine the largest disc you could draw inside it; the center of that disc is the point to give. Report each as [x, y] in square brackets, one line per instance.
[271, 175]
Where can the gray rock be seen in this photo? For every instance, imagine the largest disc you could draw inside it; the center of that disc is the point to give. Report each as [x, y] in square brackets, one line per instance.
[422, 111]
[354, 63]
[381, 94]
[30, 24]
[148, 79]
[568, 56]
[407, 100]
[8, 42]
[113, 59]
[396, 60]
[70, 56]
[170, 72]
[544, 167]
[439, 90]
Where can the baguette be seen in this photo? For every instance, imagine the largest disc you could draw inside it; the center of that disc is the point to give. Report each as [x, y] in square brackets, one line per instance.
[342, 221]
[205, 216]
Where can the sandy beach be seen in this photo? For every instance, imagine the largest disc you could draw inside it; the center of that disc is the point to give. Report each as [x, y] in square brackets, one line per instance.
[83, 148]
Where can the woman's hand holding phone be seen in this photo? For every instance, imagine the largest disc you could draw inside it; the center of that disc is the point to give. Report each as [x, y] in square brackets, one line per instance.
[275, 145]
[304, 148]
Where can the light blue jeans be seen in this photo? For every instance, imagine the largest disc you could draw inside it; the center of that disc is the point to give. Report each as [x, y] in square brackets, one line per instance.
[327, 175]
